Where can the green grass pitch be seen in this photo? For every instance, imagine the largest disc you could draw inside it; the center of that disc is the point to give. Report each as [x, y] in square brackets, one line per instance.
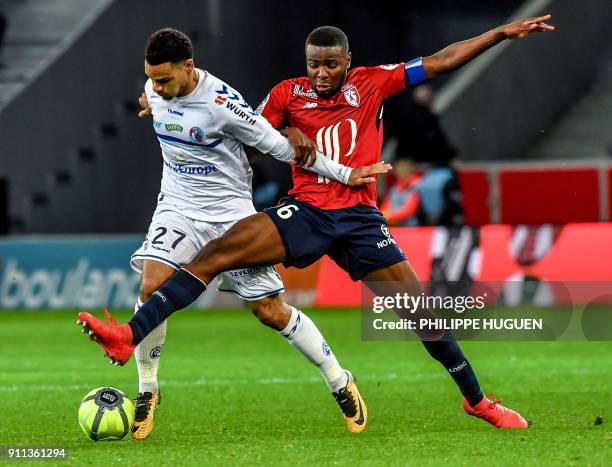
[235, 393]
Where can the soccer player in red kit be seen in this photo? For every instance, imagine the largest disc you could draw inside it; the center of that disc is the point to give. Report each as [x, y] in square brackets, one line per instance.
[340, 112]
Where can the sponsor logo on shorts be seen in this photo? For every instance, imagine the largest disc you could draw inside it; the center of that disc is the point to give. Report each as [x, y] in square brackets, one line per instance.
[325, 348]
[156, 351]
[244, 272]
[252, 282]
[387, 241]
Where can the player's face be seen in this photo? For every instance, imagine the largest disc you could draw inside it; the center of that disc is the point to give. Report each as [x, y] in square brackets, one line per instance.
[170, 79]
[327, 68]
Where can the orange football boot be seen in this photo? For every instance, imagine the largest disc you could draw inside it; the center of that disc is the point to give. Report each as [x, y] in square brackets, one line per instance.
[114, 338]
[496, 414]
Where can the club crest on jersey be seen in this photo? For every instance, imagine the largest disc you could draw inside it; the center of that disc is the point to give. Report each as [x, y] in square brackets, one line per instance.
[351, 95]
[197, 135]
[298, 90]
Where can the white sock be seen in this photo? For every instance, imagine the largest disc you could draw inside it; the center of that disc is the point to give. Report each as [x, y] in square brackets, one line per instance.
[302, 334]
[147, 356]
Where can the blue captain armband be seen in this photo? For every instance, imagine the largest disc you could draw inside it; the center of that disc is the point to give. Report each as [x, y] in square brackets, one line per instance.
[415, 73]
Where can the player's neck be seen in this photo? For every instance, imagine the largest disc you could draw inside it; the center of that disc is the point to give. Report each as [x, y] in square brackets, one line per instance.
[193, 82]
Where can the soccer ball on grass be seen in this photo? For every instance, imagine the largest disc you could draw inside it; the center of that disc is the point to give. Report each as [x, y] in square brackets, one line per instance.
[106, 414]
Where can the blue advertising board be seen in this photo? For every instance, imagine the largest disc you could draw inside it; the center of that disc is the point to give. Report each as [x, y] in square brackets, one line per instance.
[67, 272]
[81, 272]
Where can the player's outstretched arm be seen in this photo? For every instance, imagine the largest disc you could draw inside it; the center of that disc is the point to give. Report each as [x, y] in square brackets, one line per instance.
[365, 175]
[307, 156]
[347, 175]
[459, 53]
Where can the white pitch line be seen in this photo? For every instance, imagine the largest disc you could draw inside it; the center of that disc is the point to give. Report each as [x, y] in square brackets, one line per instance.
[219, 382]
[306, 379]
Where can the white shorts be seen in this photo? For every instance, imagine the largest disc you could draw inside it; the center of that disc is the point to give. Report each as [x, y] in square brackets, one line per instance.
[175, 240]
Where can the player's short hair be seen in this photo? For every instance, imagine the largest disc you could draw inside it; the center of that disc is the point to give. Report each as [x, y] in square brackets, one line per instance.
[168, 45]
[328, 36]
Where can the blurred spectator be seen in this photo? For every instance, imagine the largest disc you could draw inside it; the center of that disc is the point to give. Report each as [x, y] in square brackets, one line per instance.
[433, 198]
[401, 204]
[417, 129]
[440, 197]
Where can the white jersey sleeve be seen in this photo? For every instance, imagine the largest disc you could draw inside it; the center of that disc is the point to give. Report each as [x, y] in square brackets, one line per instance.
[236, 117]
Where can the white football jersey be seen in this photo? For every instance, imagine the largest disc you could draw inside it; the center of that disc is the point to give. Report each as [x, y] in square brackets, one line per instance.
[206, 173]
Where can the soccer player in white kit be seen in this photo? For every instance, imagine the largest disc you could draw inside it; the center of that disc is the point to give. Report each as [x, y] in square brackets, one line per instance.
[202, 123]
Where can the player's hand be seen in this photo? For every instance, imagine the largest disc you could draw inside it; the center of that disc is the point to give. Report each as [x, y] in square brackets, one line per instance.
[305, 148]
[144, 103]
[523, 27]
[364, 175]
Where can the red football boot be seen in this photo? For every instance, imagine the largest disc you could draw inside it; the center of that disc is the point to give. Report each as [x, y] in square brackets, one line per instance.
[495, 413]
[114, 338]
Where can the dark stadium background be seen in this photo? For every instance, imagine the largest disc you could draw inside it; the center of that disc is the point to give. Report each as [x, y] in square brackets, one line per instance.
[530, 123]
[75, 158]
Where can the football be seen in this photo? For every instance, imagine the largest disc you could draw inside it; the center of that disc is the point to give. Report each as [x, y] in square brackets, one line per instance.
[106, 414]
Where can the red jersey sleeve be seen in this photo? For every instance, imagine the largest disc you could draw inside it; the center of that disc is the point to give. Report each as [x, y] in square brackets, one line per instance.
[274, 106]
[390, 79]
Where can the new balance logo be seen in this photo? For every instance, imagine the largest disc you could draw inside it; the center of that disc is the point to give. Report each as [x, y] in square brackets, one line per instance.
[310, 105]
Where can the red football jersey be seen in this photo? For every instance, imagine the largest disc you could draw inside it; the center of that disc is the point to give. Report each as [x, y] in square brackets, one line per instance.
[346, 127]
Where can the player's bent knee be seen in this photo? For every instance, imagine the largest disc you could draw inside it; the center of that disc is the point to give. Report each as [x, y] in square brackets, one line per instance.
[271, 311]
